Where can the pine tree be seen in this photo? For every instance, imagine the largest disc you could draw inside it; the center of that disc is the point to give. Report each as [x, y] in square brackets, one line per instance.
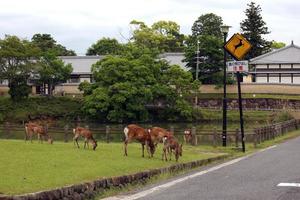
[253, 27]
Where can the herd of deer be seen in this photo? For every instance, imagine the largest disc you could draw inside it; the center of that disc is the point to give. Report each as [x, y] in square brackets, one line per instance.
[147, 137]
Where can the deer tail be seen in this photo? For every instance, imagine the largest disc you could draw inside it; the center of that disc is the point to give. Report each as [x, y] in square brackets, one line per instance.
[126, 130]
[74, 131]
[165, 138]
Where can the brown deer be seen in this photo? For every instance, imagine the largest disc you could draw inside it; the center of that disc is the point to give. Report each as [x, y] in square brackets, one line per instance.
[86, 134]
[157, 134]
[40, 131]
[171, 145]
[138, 133]
[187, 136]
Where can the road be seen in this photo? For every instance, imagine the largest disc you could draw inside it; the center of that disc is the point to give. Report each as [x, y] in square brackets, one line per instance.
[254, 177]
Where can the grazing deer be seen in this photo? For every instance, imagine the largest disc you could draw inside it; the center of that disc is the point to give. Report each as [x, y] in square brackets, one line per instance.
[157, 134]
[40, 131]
[88, 137]
[138, 133]
[187, 136]
[171, 145]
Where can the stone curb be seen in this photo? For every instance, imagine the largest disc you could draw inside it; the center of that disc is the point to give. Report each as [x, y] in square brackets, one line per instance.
[89, 189]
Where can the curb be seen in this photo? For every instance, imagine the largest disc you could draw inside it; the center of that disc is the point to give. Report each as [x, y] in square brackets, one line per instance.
[88, 190]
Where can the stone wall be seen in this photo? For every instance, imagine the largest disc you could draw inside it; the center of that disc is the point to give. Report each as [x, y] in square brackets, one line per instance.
[259, 104]
[90, 189]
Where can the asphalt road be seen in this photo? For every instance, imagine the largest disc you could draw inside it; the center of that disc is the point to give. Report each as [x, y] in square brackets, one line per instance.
[254, 177]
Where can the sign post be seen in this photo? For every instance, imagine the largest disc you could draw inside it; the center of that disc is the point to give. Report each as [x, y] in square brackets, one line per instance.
[238, 47]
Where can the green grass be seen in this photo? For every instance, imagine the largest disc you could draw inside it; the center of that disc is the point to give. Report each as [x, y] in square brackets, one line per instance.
[27, 167]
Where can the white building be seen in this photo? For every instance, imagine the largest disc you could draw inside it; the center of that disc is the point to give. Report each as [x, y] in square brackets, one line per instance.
[279, 66]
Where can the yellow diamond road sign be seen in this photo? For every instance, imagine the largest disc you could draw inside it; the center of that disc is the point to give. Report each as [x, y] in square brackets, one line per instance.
[238, 46]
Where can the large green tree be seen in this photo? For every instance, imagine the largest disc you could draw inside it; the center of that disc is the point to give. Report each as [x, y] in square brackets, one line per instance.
[162, 35]
[253, 28]
[105, 46]
[206, 32]
[126, 84]
[51, 71]
[208, 24]
[46, 43]
[17, 64]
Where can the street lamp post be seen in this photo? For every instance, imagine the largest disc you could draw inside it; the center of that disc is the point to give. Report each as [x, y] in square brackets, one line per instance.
[224, 30]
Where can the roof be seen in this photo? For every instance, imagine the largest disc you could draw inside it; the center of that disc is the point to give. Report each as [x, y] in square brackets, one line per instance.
[83, 64]
[286, 55]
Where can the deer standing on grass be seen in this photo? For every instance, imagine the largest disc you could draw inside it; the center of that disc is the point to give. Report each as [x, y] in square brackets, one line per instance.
[40, 131]
[157, 134]
[138, 133]
[171, 145]
[187, 137]
[86, 134]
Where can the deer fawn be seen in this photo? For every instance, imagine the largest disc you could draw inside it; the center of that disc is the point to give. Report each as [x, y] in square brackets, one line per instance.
[171, 145]
[157, 134]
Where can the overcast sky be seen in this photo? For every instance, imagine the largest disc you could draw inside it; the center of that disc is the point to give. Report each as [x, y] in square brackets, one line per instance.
[77, 24]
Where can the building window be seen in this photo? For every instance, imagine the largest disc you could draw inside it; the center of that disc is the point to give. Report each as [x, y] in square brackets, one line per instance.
[74, 80]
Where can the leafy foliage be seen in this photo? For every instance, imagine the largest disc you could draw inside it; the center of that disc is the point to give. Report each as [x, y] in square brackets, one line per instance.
[46, 43]
[162, 35]
[210, 58]
[253, 27]
[127, 85]
[52, 71]
[277, 45]
[105, 46]
[16, 64]
[208, 24]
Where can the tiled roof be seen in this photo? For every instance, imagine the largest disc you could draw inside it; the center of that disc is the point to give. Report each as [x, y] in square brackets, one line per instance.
[289, 54]
[83, 64]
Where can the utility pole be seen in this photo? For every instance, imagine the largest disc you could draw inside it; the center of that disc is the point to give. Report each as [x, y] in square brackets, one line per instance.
[197, 70]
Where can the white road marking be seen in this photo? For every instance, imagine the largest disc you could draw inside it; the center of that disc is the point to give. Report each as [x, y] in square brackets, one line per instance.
[289, 185]
[169, 184]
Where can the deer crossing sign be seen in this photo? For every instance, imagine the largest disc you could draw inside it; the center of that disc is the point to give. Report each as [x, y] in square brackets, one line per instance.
[237, 46]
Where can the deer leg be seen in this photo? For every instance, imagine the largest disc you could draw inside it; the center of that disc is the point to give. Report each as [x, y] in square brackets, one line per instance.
[148, 149]
[170, 153]
[143, 148]
[125, 147]
[75, 139]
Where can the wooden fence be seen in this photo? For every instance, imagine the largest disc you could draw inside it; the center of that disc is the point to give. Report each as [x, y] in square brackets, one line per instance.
[115, 134]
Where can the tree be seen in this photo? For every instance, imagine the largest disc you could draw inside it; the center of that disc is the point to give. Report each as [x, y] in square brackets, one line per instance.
[253, 27]
[210, 58]
[124, 84]
[46, 43]
[52, 71]
[17, 64]
[105, 46]
[162, 35]
[208, 24]
[277, 45]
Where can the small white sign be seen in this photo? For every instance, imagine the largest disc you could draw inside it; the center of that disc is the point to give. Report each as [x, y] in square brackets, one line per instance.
[237, 66]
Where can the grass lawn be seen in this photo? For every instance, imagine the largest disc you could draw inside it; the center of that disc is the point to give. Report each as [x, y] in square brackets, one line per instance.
[27, 167]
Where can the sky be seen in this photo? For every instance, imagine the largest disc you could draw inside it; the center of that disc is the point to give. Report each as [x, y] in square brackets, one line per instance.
[78, 24]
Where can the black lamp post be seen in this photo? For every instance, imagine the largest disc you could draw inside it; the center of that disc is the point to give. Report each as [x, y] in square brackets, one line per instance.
[224, 30]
